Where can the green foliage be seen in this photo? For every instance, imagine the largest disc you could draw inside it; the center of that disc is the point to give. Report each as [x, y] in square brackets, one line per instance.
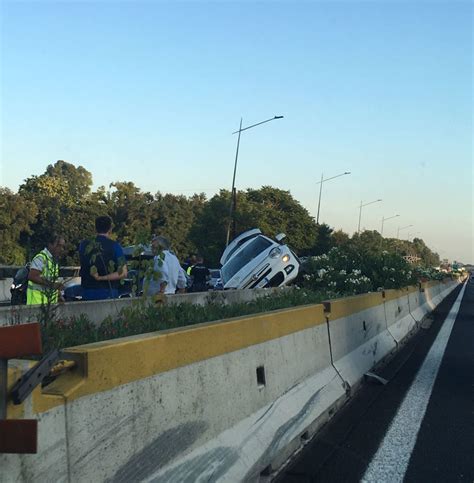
[61, 200]
[77, 180]
[142, 318]
[270, 209]
[16, 217]
[64, 205]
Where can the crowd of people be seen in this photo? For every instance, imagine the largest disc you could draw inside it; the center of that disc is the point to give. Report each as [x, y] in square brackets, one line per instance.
[103, 267]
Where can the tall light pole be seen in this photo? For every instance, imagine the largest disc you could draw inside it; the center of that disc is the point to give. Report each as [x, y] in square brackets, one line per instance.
[233, 194]
[384, 220]
[400, 228]
[360, 211]
[321, 189]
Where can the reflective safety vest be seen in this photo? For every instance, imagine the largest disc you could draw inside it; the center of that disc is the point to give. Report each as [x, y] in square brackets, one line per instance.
[41, 294]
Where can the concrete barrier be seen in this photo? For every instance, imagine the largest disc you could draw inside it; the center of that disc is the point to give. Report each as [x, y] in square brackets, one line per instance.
[400, 322]
[97, 311]
[222, 400]
[5, 284]
[417, 303]
[358, 334]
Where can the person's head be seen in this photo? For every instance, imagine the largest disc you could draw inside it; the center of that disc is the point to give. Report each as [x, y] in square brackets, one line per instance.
[56, 244]
[103, 225]
[199, 259]
[160, 243]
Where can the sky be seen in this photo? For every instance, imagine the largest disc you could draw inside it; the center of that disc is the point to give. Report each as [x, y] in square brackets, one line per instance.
[151, 92]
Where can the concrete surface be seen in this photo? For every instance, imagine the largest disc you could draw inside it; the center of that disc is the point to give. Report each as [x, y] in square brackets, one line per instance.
[444, 446]
[223, 401]
[97, 311]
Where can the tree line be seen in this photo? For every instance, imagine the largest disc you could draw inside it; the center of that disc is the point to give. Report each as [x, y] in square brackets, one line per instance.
[61, 199]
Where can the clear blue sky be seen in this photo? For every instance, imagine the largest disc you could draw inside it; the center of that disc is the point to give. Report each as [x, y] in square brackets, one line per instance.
[150, 92]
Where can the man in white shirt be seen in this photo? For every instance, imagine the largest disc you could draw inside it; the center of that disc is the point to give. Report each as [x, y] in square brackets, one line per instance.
[171, 276]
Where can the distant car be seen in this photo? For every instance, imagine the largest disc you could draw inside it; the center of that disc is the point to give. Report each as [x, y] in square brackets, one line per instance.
[253, 260]
[215, 280]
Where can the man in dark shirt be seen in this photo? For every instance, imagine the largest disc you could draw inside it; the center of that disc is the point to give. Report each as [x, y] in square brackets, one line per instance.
[200, 275]
[102, 263]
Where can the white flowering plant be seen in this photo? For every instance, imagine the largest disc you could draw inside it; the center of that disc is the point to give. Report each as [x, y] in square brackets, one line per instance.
[347, 271]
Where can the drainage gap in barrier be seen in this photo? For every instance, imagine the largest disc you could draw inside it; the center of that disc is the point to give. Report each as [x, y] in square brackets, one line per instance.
[364, 325]
[305, 436]
[261, 382]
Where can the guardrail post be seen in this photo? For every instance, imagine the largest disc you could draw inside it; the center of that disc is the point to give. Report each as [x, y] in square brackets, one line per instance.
[3, 388]
[17, 435]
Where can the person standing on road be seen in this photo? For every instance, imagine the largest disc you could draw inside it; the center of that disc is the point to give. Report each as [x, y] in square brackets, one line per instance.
[43, 286]
[200, 275]
[170, 276]
[102, 263]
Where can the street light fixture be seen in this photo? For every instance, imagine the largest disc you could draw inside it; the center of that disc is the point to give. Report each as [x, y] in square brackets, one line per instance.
[360, 210]
[233, 194]
[402, 228]
[384, 220]
[321, 189]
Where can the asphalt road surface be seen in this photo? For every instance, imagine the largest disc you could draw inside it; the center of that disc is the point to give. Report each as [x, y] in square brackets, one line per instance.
[417, 428]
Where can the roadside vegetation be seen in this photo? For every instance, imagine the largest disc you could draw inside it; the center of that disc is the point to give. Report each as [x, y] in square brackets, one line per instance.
[334, 263]
[141, 318]
[61, 199]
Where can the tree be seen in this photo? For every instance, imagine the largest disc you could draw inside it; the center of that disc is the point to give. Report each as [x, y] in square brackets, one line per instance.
[173, 216]
[208, 233]
[324, 240]
[64, 205]
[78, 180]
[16, 216]
[130, 210]
[270, 209]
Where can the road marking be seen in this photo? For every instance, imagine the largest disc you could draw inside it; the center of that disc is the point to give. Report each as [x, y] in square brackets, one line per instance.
[391, 460]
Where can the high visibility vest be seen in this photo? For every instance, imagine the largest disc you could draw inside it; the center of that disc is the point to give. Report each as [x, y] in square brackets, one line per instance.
[40, 294]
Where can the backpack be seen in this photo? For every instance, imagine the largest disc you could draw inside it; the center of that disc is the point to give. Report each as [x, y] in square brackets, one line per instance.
[19, 286]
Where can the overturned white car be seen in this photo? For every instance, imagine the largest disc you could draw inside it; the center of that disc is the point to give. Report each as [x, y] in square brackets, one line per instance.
[253, 260]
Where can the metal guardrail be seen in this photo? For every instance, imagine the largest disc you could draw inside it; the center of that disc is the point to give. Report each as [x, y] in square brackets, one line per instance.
[8, 271]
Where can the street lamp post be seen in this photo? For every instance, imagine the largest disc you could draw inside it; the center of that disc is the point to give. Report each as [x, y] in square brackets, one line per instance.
[321, 189]
[384, 220]
[400, 229]
[233, 198]
[360, 211]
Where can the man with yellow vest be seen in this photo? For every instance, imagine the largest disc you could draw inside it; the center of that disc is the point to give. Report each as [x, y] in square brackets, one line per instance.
[43, 285]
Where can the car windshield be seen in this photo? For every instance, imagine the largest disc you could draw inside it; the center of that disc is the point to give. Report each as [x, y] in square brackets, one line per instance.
[252, 250]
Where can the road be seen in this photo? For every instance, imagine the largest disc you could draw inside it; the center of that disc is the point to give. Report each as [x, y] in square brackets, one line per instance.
[419, 427]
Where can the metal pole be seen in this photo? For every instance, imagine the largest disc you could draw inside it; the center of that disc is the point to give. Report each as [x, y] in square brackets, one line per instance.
[360, 215]
[234, 230]
[231, 211]
[3, 388]
[319, 202]
[381, 231]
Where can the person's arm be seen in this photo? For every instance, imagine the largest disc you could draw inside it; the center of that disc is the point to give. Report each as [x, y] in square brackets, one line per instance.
[120, 273]
[164, 272]
[36, 277]
[181, 285]
[111, 277]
